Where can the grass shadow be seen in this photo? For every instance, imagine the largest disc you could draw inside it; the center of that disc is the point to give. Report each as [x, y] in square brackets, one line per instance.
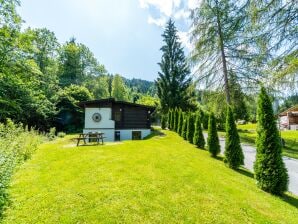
[245, 172]
[290, 200]
[155, 132]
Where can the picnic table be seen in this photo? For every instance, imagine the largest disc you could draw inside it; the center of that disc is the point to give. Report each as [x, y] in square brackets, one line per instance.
[97, 136]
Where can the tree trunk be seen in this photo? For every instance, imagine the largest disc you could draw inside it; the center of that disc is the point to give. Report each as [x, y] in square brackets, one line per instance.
[223, 57]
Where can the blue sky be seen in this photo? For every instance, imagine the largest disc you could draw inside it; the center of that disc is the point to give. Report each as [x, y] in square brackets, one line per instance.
[124, 35]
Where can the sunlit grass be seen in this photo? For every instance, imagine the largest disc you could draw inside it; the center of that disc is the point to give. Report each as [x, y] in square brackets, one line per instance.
[162, 179]
[248, 134]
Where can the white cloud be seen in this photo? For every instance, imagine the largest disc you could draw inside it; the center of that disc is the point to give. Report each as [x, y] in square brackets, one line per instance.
[182, 14]
[166, 7]
[161, 22]
[184, 38]
[192, 4]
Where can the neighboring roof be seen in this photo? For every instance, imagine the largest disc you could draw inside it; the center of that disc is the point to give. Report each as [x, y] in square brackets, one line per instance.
[291, 109]
[113, 101]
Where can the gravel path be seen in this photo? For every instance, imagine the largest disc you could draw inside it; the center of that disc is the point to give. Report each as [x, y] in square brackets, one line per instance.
[249, 158]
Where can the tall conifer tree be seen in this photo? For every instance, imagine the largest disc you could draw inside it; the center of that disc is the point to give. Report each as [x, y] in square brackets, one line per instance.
[270, 171]
[233, 152]
[198, 138]
[212, 140]
[174, 84]
[190, 128]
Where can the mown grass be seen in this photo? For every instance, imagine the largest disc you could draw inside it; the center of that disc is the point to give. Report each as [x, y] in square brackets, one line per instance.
[162, 179]
[248, 134]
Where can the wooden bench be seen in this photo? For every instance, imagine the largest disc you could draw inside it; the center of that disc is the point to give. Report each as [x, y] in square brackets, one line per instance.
[96, 136]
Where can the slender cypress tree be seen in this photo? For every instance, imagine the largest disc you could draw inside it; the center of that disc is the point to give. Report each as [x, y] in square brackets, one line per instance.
[169, 118]
[176, 114]
[174, 84]
[233, 152]
[190, 128]
[180, 123]
[184, 125]
[177, 119]
[198, 138]
[212, 140]
[173, 119]
[270, 171]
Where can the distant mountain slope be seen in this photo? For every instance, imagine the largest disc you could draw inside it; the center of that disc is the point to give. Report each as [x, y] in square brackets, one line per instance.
[141, 86]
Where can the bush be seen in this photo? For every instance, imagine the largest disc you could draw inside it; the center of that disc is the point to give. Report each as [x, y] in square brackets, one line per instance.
[163, 122]
[17, 144]
[61, 134]
[233, 152]
[190, 128]
[198, 138]
[270, 171]
[180, 122]
[175, 119]
[52, 134]
[212, 140]
[184, 125]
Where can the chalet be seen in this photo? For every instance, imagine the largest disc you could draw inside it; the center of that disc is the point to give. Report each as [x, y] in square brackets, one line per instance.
[288, 119]
[118, 120]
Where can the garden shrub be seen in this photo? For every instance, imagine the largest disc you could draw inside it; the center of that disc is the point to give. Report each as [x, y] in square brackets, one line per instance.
[233, 152]
[184, 125]
[198, 138]
[61, 134]
[212, 140]
[270, 171]
[190, 128]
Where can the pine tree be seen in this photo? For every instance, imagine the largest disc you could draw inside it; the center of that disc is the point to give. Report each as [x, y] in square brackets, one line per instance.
[212, 140]
[270, 171]
[184, 126]
[198, 138]
[190, 128]
[233, 152]
[174, 84]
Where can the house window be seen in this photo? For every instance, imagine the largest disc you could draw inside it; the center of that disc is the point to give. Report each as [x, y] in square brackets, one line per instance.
[136, 135]
[118, 116]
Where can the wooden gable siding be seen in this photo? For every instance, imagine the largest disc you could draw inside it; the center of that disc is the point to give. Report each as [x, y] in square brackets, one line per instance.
[131, 117]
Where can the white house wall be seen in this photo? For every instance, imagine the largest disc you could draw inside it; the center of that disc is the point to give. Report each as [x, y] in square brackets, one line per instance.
[106, 118]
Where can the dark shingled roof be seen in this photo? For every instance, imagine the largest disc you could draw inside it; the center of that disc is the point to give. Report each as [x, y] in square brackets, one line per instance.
[83, 104]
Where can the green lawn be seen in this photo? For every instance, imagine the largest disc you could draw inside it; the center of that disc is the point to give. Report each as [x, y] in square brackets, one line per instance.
[248, 134]
[160, 180]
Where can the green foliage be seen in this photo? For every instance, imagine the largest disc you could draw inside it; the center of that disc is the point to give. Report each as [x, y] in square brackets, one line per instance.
[184, 126]
[180, 122]
[198, 138]
[119, 90]
[174, 84]
[190, 127]
[16, 145]
[212, 140]
[61, 134]
[233, 152]
[176, 119]
[270, 171]
[163, 122]
[237, 99]
[70, 117]
[52, 134]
